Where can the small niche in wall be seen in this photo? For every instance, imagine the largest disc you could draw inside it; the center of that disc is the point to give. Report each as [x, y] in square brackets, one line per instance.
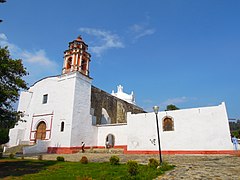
[168, 124]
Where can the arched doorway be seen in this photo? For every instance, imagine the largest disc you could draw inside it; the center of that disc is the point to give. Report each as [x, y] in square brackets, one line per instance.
[41, 131]
[110, 140]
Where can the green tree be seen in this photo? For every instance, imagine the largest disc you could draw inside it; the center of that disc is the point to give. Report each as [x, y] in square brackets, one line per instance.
[4, 138]
[11, 82]
[171, 107]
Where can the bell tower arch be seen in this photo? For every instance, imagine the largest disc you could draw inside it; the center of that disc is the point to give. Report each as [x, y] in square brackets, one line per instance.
[76, 58]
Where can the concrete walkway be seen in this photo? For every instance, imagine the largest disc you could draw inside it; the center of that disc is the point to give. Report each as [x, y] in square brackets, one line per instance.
[187, 166]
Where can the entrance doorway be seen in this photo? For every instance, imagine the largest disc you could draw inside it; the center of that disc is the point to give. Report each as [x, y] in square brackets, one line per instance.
[110, 141]
[41, 131]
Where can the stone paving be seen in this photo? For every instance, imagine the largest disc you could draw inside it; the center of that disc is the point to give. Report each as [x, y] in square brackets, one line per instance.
[217, 167]
[204, 167]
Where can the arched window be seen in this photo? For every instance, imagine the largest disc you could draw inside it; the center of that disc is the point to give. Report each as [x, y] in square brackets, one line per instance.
[62, 126]
[69, 63]
[84, 65]
[168, 124]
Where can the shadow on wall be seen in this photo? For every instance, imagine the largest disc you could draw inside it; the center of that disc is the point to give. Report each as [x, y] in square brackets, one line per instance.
[105, 119]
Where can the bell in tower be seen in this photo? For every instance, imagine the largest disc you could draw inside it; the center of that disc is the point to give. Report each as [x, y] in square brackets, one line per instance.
[76, 58]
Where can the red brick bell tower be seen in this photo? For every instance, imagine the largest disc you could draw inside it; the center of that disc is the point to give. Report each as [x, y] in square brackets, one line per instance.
[76, 58]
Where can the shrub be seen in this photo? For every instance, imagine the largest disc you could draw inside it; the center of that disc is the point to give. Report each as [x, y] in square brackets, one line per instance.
[84, 160]
[60, 158]
[153, 163]
[83, 178]
[40, 157]
[235, 133]
[11, 156]
[165, 166]
[132, 167]
[114, 160]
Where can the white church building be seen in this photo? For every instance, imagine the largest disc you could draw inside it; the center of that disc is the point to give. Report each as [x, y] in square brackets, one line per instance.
[63, 111]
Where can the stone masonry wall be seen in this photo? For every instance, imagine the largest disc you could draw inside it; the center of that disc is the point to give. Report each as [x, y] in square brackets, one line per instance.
[116, 108]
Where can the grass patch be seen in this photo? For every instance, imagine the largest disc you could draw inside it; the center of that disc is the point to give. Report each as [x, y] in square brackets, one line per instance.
[35, 169]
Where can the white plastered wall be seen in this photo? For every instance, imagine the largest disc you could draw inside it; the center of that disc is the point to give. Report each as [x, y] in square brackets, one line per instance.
[17, 134]
[119, 131]
[59, 108]
[82, 129]
[194, 129]
[63, 110]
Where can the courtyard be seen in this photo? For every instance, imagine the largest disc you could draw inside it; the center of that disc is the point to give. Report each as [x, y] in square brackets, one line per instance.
[187, 166]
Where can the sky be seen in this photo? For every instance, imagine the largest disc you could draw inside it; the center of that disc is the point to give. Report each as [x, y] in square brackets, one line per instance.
[181, 52]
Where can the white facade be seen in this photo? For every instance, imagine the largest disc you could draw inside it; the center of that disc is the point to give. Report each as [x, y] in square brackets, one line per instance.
[68, 101]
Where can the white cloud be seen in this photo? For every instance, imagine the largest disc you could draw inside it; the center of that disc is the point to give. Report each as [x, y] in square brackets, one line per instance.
[148, 104]
[175, 101]
[136, 28]
[140, 31]
[105, 40]
[3, 37]
[37, 57]
[146, 32]
[37, 63]
[4, 42]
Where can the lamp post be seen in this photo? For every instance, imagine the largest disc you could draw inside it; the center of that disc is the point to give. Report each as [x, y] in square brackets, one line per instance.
[156, 109]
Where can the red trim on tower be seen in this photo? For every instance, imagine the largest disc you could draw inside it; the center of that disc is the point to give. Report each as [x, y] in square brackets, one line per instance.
[75, 63]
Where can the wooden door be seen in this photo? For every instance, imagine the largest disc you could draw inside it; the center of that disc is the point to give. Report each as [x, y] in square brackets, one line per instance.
[41, 131]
